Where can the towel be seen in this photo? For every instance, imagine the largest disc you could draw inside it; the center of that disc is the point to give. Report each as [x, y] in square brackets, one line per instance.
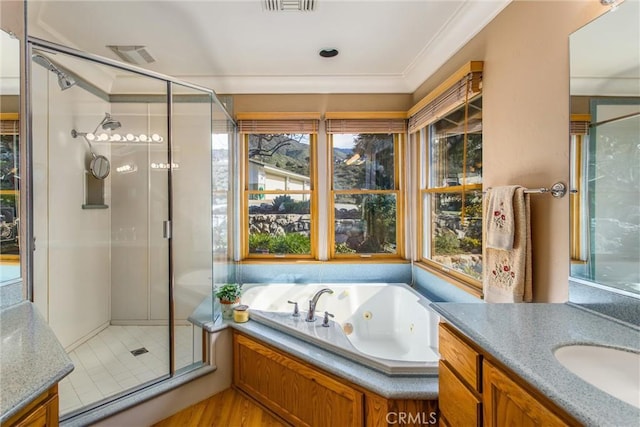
[507, 273]
[500, 221]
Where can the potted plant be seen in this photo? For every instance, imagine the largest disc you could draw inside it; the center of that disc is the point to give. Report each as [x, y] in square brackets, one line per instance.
[229, 296]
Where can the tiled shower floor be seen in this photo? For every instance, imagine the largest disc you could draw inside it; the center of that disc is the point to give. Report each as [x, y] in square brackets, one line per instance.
[105, 366]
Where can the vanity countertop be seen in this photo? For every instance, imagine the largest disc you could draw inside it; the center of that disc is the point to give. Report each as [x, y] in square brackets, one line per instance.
[524, 336]
[31, 358]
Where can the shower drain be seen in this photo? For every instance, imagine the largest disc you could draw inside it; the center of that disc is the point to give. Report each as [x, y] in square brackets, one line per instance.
[139, 351]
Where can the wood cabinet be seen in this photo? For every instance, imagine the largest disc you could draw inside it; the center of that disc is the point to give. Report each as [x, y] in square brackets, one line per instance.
[476, 390]
[41, 412]
[304, 395]
[508, 404]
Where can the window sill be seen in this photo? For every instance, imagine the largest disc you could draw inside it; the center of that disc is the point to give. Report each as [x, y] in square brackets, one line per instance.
[475, 290]
[353, 260]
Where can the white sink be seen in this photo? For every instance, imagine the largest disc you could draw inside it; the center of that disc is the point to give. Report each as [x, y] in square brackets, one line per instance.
[612, 370]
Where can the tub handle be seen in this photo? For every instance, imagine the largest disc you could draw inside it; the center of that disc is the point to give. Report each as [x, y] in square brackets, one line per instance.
[296, 312]
[325, 321]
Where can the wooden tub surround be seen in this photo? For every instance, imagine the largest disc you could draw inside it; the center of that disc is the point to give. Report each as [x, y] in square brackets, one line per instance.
[304, 395]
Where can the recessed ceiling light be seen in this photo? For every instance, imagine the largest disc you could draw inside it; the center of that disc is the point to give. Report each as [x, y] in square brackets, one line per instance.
[329, 53]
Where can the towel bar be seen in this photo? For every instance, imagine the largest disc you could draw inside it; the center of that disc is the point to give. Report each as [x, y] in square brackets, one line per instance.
[557, 190]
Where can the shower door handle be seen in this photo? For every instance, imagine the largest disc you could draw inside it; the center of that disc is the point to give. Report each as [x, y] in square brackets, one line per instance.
[167, 229]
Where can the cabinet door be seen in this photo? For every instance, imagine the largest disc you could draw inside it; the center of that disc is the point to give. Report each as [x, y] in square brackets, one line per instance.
[42, 412]
[300, 394]
[508, 404]
[458, 404]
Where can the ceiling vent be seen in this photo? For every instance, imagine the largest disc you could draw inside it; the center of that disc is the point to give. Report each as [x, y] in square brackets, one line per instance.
[277, 5]
[138, 55]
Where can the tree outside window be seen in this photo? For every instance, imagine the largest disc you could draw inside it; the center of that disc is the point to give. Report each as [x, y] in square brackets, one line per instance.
[365, 194]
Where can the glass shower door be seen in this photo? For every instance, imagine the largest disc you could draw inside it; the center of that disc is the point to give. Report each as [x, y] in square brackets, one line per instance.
[101, 198]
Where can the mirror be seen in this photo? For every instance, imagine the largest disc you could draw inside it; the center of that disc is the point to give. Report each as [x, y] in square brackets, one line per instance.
[605, 151]
[9, 159]
[99, 166]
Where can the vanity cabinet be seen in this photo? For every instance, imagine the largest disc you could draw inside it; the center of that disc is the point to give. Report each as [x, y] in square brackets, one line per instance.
[304, 395]
[475, 390]
[42, 412]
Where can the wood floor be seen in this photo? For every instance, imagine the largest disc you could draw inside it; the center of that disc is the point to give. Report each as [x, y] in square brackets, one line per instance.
[229, 408]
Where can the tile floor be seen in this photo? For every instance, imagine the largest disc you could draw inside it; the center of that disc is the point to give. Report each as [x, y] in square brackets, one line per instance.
[105, 366]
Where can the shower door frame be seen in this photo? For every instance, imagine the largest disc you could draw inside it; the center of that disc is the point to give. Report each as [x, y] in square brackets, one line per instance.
[29, 241]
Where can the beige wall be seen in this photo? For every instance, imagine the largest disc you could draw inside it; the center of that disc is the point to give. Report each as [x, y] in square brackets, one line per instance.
[321, 102]
[526, 115]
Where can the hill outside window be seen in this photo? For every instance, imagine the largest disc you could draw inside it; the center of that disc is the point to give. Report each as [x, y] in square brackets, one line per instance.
[448, 129]
[366, 201]
[279, 181]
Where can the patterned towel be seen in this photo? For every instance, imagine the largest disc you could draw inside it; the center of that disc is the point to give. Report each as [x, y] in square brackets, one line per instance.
[507, 273]
[500, 221]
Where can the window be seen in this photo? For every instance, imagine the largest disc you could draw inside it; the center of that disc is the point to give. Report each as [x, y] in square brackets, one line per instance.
[366, 200]
[450, 169]
[279, 198]
[9, 198]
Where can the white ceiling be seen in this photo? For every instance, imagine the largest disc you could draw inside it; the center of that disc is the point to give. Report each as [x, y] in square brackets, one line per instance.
[235, 46]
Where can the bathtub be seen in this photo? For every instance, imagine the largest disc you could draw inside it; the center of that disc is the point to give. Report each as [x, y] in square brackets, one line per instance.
[385, 326]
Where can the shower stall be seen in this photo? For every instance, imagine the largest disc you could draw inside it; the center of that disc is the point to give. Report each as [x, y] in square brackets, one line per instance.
[130, 183]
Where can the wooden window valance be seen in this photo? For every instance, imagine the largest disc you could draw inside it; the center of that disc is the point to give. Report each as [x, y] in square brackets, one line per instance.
[266, 123]
[366, 125]
[459, 88]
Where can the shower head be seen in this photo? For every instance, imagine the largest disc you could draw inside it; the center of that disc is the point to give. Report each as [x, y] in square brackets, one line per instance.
[65, 81]
[109, 123]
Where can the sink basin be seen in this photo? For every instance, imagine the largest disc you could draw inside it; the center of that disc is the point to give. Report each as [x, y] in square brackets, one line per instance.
[612, 370]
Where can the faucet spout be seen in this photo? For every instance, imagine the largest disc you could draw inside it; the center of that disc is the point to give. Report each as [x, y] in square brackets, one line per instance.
[311, 314]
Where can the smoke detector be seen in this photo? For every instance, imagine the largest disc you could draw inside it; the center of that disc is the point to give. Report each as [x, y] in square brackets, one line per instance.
[137, 55]
[277, 5]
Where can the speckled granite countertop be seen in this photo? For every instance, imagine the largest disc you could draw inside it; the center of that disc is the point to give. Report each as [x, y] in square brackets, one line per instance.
[31, 358]
[524, 336]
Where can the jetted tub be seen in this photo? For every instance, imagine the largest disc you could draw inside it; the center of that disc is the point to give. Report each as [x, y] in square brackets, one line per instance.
[385, 326]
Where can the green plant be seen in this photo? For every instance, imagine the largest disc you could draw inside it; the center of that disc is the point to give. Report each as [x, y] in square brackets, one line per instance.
[471, 245]
[447, 244]
[342, 248]
[289, 243]
[259, 242]
[229, 292]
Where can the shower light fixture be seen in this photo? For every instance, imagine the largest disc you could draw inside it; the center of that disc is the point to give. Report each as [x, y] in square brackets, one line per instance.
[164, 165]
[116, 137]
[128, 168]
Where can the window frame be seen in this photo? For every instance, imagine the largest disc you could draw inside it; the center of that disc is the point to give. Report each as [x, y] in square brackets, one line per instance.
[398, 184]
[429, 110]
[247, 192]
[579, 133]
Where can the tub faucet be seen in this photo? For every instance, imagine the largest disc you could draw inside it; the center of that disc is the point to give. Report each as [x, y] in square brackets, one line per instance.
[312, 304]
